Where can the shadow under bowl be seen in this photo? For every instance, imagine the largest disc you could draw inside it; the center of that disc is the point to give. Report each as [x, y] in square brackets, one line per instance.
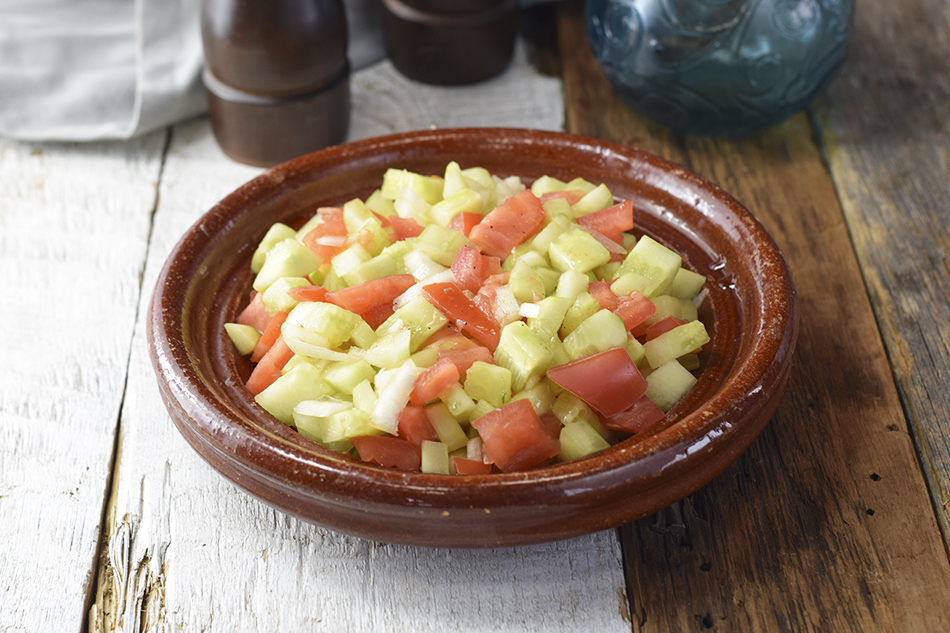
[750, 310]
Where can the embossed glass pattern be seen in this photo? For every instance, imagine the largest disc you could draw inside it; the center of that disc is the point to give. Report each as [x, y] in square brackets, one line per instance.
[715, 67]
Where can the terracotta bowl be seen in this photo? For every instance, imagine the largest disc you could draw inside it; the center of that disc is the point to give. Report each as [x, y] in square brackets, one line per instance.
[750, 310]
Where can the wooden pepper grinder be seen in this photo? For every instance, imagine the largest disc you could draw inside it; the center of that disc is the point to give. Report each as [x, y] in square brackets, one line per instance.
[277, 76]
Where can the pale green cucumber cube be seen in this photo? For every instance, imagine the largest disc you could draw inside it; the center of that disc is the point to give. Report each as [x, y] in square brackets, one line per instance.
[332, 281]
[463, 201]
[287, 258]
[690, 361]
[364, 397]
[594, 200]
[551, 313]
[410, 204]
[355, 214]
[446, 426]
[372, 236]
[534, 259]
[244, 337]
[546, 184]
[440, 243]
[318, 276]
[686, 284]
[276, 299]
[349, 259]
[525, 283]
[626, 283]
[670, 306]
[539, 394]
[481, 408]
[477, 179]
[549, 279]
[380, 204]
[668, 383]
[435, 458]
[426, 357]
[325, 322]
[485, 381]
[584, 307]
[683, 339]
[345, 376]
[569, 408]
[571, 284]
[655, 262]
[607, 271]
[460, 404]
[297, 359]
[421, 266]
[522, 353]
[579, 184]
[428, 188]
[597, 333]
[557, 209]
[577, 250]
[579, 439]
[383, 265]
[420, 317]
[635, 350]
[552, 229]
[303, 382]
[390, 349]
[517, 253]
[278, 232]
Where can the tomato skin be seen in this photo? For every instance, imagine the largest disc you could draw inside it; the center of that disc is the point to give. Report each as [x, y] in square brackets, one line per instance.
[268, 368]
[414, 425]
[608, 381]
[601, 291]
[372, 294]
[268, 337]
[333, 230]
[463, 312]
[308, 293]
[465, 221]
[611, 222]
[509, 224]
[662, 326]
[514, 437]
[471, 268]
[465, 466]
[634, 309]
[388, 451]
[640, 416]
[404, 227]
[464, 358]
[434, 381]
[254, 314]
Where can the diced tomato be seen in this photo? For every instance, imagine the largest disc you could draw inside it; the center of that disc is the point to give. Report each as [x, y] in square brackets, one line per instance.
[465, 221]
[634, 309]
[612, 221]
[448, 338]
[471, 268]
[434, 381]
[551, 423]
[268, 368]
[571, 195]
[327, 239]
[389, 451]
[308, 293]
[608, 381]
[267, 339]
[372, 294]
[463, 312]
[662, 326]
[254, 314]
[464, 358]
[465, 466]
[640, 416]
[514, 437]
[509, 224]
[601, 291]
[404, 227]
[414, 425]
[377, 316]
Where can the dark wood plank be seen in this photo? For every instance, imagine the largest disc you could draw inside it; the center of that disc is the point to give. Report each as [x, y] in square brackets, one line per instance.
[825, 524]
[887, 132]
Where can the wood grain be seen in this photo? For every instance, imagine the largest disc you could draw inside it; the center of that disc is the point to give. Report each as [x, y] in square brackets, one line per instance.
[832, 489]
[886, 127]
[74, 225]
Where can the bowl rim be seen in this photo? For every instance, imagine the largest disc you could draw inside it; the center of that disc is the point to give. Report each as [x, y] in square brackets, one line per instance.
[277, 454]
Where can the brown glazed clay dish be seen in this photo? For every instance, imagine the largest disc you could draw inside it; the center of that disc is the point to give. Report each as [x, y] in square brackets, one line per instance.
[750, 311]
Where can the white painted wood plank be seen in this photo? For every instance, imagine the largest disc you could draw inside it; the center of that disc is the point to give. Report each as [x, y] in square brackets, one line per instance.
[188, 551]
[74, 226]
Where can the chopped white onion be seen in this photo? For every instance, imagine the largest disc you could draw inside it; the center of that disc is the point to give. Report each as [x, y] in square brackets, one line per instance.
[605, 241]
[322, 407]
[529, 310]
[393, 387]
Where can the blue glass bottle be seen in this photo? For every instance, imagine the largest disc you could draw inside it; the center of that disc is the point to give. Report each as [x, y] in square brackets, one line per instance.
[719, 67]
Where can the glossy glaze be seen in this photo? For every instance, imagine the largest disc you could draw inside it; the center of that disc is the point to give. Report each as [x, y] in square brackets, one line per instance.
[751, 310]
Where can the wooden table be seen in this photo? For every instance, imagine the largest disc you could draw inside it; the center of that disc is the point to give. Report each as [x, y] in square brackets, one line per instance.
[835, 519]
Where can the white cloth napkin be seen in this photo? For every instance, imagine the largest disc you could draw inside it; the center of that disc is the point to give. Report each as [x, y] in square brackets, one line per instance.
[82, 70]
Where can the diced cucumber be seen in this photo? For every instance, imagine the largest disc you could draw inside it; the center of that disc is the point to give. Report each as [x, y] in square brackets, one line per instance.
[683, 339]
[303, 382]
[440, 243]
[542, 240]
[569, 408]
[584, 307]
[594, 200]
[244, 337]
[355, 214]
[556, 208]
[458, 402]
[349, 259]
[420, 317]
[626, 283]
[426, 187]
[668, 383]
[276, 299]
[654, 261]
[522, 353]
[446, 426]
[435, 458]
[390, 349]
[525, 282]
[364, 397]
[551, 313]
[571, 284]
[287, 258]
[324, 322]
[278, 232]
[577, 250]
[485, 381]
[380, 204]
[383, 265]
[481, 408]
[686, 284]
[539, 394]
[579, 439]
[546, 184]
[579, 184]
[345, 376]
[635, 351]
[597, 333]
[463, 201]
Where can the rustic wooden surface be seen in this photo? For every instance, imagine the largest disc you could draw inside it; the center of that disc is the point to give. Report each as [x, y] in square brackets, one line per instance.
[833, 490]
[830, 522]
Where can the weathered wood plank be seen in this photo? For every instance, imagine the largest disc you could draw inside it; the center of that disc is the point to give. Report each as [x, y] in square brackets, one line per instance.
[887, 131]
[74, 226]
[188, 551]
[832, 489]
